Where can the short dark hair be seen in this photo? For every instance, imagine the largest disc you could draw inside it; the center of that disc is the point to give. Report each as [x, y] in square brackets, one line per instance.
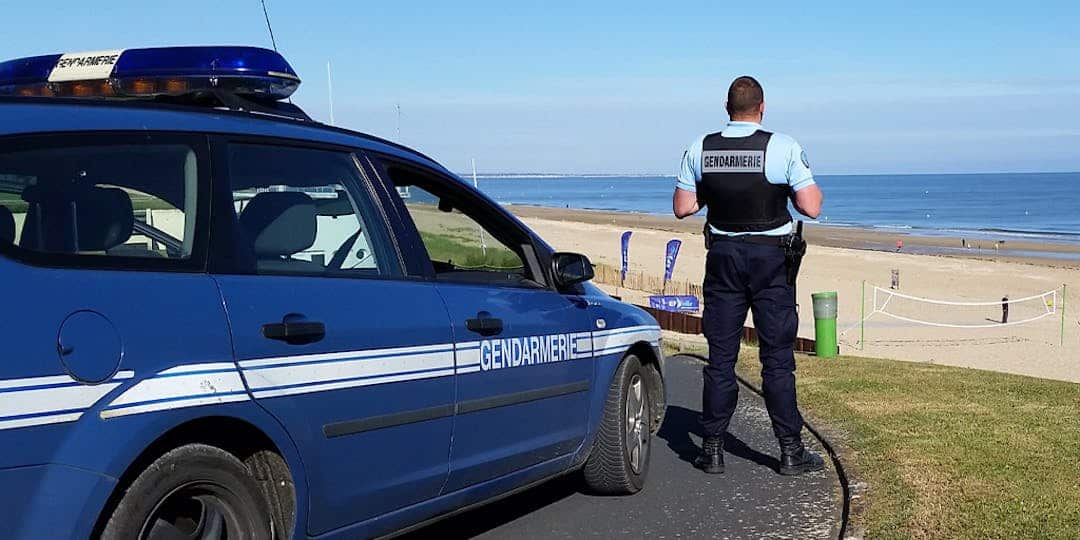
[744, 96]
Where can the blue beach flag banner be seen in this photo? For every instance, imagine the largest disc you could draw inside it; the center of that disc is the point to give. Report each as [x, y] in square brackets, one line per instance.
[625, 255]
[669, 259]
[677, 303]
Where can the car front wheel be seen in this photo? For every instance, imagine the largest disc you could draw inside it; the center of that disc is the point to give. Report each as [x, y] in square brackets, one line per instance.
[620, 456]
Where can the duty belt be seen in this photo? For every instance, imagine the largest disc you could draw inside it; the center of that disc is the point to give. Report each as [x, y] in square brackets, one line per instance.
[794, 246]
[776, 241]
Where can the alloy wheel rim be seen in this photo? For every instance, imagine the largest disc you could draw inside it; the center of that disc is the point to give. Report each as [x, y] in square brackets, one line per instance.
[637, 433]
[194, 511]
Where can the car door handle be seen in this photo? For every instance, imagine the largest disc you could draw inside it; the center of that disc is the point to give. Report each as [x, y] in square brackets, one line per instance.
[485, 326]
[295, 333]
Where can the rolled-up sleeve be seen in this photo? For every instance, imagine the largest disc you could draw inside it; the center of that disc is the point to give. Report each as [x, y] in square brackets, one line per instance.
[690, 169]
[799, 175]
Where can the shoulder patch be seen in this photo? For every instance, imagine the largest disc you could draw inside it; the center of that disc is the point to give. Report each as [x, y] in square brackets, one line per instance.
[805, 162]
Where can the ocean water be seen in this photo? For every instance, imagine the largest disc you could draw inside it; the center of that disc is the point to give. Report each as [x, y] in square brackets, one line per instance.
[1036, 206]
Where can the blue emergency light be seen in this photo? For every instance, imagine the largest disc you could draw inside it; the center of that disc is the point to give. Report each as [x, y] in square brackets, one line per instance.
[249, 72]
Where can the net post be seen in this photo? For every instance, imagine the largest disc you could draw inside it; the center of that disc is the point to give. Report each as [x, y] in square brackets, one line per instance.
[862, 318]
[1061, 341]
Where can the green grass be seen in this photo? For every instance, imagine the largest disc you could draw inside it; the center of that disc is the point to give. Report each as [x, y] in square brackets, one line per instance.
[13, 202]
[948, 452]
[138, 203]
[465, 254]
[19, 206]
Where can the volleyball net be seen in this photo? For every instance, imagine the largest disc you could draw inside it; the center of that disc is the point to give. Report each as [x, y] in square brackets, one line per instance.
[1005, 312]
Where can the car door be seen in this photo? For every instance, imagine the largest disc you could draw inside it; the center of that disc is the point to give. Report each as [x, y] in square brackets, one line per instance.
[523, 350]
[355, 359]
[103, 278]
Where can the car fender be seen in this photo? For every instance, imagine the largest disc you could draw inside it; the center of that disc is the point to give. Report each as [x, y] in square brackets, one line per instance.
[638, 332]
[117, 447]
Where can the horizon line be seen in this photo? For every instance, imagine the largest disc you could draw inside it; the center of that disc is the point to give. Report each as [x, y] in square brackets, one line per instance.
[669, 175]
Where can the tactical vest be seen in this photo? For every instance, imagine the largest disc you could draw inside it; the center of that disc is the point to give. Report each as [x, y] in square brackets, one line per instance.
[734, 188]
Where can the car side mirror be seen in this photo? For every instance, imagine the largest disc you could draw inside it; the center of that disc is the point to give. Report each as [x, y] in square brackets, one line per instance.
[571, 268]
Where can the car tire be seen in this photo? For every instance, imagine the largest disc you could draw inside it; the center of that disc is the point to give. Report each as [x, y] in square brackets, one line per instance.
[619, 461]
[194, 491]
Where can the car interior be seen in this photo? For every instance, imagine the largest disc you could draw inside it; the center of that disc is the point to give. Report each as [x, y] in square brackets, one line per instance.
[279, 225]
[80, 200]
[302, 231]
[7, 226]
[61, 219]
[296, 215]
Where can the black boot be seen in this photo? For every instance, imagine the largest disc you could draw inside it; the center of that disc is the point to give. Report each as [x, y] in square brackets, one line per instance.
[711, 458]
[796, 459]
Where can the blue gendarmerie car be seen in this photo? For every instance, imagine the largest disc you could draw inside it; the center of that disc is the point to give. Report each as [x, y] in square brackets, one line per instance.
[225, 320]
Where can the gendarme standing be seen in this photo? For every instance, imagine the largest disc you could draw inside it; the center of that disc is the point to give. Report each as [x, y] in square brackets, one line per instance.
[744, 176]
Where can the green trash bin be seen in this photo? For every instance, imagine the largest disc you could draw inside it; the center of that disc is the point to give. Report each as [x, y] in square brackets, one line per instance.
[825, 324]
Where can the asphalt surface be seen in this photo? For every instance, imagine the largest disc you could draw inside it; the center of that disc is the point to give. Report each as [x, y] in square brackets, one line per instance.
[750, 500]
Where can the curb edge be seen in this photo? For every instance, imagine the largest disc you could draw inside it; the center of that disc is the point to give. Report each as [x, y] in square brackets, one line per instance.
[849, 492]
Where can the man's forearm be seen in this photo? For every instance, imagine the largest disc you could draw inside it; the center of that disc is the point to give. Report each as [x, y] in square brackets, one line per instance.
[687, 212]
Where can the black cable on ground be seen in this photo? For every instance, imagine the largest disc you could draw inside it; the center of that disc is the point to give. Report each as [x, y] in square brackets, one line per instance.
[845, 488]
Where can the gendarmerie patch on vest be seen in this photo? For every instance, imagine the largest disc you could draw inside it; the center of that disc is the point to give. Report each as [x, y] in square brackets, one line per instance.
[732, 161]
[734, 187]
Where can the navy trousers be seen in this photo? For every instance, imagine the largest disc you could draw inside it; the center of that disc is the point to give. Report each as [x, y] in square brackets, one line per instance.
[741, 276]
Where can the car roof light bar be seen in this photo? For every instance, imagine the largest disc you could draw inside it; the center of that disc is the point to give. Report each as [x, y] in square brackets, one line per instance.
[247, 72]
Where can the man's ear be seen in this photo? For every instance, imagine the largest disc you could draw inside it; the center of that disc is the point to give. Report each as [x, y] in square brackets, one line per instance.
[761, 109]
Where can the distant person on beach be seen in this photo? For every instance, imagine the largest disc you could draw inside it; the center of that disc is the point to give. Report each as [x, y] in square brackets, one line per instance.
[744, 177]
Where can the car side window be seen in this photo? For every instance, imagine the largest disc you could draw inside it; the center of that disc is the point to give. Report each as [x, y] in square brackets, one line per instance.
[302, 211]
[464, 240]
[115, 200]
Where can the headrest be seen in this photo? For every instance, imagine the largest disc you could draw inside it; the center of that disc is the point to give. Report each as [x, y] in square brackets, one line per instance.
[105, 219]
[7, 226]
[280, 223]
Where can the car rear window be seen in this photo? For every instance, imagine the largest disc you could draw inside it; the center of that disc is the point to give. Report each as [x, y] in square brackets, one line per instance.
[108, 200]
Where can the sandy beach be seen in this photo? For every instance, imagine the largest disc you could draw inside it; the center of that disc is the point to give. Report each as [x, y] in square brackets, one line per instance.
[1063, 255]
[841, 259]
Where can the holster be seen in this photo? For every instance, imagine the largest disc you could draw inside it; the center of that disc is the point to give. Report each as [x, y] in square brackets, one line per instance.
[794, 251]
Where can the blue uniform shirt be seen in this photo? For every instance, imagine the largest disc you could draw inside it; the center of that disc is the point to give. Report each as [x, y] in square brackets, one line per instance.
[785, 163]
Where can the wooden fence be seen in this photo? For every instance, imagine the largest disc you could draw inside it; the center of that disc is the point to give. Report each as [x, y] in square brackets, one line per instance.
[640, 281]
[685, 323]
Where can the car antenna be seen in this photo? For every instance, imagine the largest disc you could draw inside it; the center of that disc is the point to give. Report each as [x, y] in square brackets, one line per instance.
[268, 27]
[271, 29]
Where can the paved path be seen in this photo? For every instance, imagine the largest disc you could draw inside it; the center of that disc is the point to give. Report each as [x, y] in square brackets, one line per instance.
[750, 500]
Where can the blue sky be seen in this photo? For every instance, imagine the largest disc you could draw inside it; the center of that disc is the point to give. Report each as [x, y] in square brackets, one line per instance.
[623, 87]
